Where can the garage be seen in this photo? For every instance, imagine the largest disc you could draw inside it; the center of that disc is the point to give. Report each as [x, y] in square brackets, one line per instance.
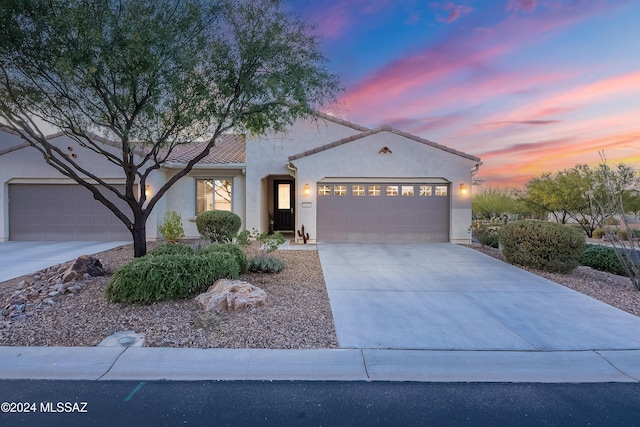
[383, 211]
[58, 212]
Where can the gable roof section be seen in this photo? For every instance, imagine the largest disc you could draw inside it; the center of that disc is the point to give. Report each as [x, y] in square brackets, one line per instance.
[339, 121]
[384, 128]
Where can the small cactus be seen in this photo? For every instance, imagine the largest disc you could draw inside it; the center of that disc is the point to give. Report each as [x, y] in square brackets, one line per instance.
[301, 233]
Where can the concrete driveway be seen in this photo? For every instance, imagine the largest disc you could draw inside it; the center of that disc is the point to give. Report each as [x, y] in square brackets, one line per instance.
[441, 296]
[20, 258]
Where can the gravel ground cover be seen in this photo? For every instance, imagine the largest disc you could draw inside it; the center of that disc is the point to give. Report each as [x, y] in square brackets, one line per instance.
[297, 314]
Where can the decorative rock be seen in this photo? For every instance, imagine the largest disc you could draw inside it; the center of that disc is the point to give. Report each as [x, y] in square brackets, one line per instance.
[84, 264]
[228, 294]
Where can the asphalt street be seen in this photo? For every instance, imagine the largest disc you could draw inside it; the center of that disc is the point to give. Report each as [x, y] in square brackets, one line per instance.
[245, 403]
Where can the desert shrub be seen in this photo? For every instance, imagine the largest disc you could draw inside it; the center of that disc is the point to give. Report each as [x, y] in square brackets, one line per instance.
[211, 266]
[232, 249]
[485, 235]
[266, 264]
[598, 233]
[171, 229]
[163, 277]
[602, 258]
[622, 234]
[171, 249]
[218, 226]
[542, 245]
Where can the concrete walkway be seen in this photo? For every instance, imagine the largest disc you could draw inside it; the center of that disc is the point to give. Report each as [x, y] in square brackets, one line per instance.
[20, 258]
[438, 313]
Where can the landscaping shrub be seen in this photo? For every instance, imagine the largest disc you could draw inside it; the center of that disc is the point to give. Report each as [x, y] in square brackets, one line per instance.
[209, 267]
[542, 245]
[162, 277]
[486, 235]
[171, 249]
[266, 264]
[171, 229]
[622, 234]
[602, 258]
[598, 233]
[218, 226]
[232, 249]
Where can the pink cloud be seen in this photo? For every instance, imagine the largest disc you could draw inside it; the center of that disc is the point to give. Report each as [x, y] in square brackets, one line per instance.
[455, 12]
[525, 5]
[333, 20]
[460, 55]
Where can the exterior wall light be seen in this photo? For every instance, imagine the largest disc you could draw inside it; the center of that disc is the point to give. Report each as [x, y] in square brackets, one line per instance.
[463, 189]
[147, 190]
[306, 190]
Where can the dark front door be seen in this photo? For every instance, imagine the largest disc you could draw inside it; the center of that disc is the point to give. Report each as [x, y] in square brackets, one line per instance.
[284, 204]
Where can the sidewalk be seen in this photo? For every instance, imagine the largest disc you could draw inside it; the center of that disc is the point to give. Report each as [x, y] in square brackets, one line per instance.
[187, 364]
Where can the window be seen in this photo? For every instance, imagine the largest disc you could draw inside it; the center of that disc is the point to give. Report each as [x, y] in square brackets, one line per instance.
[324, 190]
[357, 190]
[407, 190]
[425, 190]
[392, 190]
[441, 190]
[284, 196]
[213, 194]
[374, 190]
[340, 190]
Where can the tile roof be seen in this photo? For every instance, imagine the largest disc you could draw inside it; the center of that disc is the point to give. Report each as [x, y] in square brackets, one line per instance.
[229, 148]
[384, 128]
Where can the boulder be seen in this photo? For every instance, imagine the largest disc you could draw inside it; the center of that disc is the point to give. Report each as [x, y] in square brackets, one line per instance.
[226, 294]
[84, 264]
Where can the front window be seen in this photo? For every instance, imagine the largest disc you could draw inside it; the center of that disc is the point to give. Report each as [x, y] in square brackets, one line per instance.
[213, 194]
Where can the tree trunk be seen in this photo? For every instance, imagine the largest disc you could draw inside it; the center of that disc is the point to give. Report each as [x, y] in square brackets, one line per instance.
[139, 233]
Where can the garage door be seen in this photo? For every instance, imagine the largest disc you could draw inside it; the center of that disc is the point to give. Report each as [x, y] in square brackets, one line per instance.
[60, 212]
[393, 212]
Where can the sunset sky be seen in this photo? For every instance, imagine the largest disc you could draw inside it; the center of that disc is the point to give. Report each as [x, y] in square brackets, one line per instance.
[527, 85]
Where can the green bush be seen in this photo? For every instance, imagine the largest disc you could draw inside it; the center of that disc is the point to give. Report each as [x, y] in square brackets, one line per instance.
[485, 235]
[218, 226]
[232, 249]
[171, 229]
[266, 264]
[171, 249]
[163, 277]
[602, 258]
[542, 245]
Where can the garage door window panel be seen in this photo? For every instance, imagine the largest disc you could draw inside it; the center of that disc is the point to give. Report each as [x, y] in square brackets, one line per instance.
[391, 190]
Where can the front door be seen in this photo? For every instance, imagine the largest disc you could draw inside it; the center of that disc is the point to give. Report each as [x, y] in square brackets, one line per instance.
[284, 203]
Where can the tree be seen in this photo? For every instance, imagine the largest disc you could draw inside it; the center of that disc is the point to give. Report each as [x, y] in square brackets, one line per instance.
[582, 193]
[616, 189]
[151, 75]
[492, 202]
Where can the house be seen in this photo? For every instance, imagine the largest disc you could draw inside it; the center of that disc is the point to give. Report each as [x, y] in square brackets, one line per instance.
[341, 181]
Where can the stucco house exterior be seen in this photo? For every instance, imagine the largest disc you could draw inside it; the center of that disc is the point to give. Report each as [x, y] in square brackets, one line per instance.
[341, 181]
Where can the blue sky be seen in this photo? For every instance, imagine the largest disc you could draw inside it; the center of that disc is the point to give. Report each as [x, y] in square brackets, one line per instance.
[527, 85]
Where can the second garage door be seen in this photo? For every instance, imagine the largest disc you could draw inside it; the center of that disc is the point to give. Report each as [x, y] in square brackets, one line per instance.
[61, 212]
[383, 212]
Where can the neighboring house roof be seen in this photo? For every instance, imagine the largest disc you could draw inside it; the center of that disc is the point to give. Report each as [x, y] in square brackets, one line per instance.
[384, 128]
[229, 148]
